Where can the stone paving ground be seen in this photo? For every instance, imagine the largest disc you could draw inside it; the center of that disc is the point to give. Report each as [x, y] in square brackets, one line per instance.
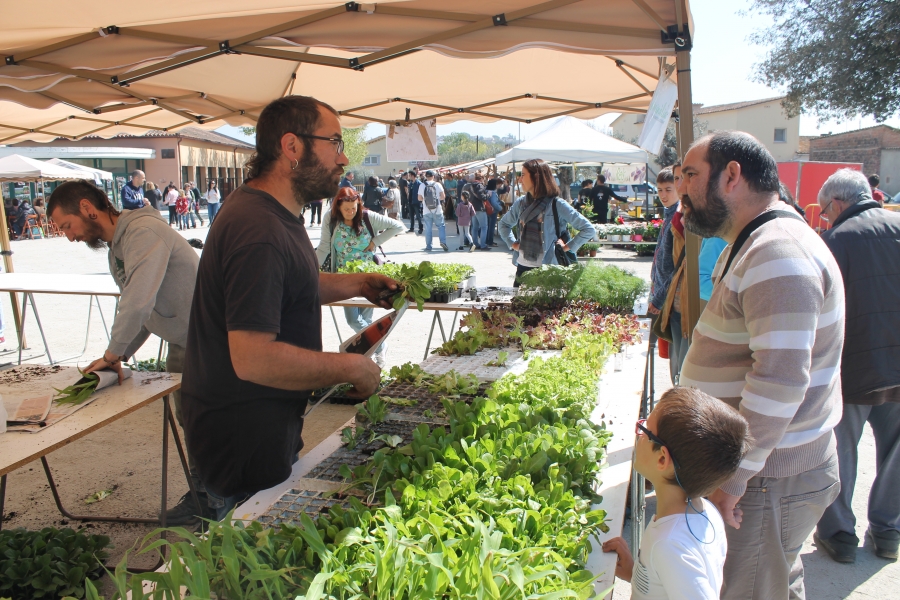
[126, 453]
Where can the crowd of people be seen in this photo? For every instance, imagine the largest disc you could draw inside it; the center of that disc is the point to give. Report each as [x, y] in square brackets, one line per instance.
[752, 450]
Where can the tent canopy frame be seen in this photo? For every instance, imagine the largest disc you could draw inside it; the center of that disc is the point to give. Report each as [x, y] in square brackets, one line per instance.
[259, 43]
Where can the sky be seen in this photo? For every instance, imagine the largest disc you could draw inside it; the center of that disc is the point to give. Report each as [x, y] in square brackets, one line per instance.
[722, 63]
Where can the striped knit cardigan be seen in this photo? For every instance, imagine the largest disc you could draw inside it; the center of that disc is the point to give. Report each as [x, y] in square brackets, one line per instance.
[769, 344]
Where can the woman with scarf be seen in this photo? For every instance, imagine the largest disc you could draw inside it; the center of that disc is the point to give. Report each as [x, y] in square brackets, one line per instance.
[351, 232]
[533, 213]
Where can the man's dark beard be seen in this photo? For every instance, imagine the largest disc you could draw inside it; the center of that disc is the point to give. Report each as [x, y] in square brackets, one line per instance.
[313, 181]
[715, 216]
[92, 233]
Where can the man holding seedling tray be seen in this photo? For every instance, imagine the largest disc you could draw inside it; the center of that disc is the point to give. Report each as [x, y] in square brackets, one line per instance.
[254, 349]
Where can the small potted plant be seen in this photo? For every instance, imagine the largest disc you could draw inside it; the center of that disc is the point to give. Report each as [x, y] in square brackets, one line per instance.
[590, 249]
[626, 232]
[614, 234]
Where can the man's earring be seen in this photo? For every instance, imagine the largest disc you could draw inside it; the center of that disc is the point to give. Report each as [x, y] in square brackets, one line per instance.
[295, 165]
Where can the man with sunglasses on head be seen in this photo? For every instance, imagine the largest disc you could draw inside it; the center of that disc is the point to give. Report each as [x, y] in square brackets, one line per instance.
[254, 347]
[689, 445]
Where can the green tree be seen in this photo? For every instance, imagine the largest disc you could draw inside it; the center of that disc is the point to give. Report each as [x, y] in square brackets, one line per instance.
[836, 58]
[354, 144]
[458, 148]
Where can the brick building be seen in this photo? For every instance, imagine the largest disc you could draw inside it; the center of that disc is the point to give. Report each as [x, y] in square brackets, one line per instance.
[878, 148]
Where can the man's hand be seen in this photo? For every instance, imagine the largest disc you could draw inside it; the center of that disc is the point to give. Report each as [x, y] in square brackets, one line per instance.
[146, 202]
[373, 284]
[564, 245]
[104, 363]
[625, 563]
[516, 246]
[365, 376]
[652, 310]
[728, 507]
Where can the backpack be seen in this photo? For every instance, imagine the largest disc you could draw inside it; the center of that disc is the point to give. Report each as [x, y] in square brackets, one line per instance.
[431, 196]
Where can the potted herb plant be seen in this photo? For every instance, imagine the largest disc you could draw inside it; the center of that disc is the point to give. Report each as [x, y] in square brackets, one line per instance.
[589, 249]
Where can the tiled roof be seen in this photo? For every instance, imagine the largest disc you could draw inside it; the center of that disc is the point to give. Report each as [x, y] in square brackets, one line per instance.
[702, 110]
[857, 130]
[191, 133]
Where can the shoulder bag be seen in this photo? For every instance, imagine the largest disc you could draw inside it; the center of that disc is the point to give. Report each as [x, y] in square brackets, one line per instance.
[739, 242]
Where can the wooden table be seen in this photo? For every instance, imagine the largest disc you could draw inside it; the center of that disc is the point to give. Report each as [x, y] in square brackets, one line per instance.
[456, 307]
[109, 405]
[29, 284]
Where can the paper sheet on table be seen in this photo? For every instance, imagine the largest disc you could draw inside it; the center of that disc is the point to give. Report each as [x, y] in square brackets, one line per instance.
[56, 412]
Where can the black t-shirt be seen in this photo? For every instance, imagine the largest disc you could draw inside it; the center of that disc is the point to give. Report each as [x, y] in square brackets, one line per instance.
[404, 189]
[258, 272]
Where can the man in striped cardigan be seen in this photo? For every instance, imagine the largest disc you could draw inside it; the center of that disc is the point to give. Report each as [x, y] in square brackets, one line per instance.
[769, 344]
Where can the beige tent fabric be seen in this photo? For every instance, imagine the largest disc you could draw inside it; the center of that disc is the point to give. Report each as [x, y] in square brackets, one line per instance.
[205, 63]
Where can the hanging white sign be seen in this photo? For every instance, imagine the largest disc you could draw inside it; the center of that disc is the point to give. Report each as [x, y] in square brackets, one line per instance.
[412, 141]
[658, 115]
[624, 174]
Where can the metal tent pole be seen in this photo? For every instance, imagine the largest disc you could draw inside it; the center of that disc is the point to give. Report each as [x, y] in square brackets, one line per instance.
[685, 138]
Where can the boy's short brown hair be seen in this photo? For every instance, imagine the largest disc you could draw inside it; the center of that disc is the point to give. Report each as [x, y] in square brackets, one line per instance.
[706, 437]
[666, 175]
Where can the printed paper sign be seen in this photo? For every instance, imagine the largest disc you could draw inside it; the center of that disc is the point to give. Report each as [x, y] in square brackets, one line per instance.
[625, 173]
[412, 141]
[658, 115]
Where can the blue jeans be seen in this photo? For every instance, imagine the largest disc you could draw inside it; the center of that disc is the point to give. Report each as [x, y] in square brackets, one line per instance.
[491, 226]
[360, 318]
[431, 219]
[415, 211]
[212, 210]
[479, 229]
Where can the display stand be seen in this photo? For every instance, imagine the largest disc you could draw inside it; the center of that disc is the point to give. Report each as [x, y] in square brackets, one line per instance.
[29, 284]
[621, 402]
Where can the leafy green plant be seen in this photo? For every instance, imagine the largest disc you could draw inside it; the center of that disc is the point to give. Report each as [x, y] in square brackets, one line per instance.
[500, 361]
[408, 373]
[400, 401]
[412, 284]
[50, 563]
[78, 392]
[373, 410]
[452, 383]
[149, 365]
[351, 437]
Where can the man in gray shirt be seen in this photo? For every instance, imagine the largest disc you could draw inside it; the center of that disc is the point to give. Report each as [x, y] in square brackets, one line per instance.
[155, 270]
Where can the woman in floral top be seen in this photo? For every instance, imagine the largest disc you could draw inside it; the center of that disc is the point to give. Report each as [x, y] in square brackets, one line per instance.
[351, 232]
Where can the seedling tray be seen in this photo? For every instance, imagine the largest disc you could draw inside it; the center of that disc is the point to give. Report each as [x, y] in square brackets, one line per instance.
[476, 364]
[420, 392]
[444, 297]
[295, 502]
[328, 469]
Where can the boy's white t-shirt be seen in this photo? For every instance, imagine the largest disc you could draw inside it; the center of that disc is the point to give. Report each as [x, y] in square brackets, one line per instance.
[673, 564]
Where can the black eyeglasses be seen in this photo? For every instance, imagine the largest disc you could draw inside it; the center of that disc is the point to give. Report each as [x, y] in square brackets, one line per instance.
[338, 142]
[639, 429]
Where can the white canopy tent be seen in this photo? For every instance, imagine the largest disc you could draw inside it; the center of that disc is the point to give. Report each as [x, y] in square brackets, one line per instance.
[16, 167]
[99, 175]
[571, 140]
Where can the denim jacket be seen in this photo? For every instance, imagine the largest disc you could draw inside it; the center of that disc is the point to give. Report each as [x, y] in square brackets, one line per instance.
[663, 262]
[567, 216]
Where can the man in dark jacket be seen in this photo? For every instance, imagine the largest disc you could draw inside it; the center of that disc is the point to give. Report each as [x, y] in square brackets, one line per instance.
[865, 241]
[415, 207]
[600, 196]
[403, 184]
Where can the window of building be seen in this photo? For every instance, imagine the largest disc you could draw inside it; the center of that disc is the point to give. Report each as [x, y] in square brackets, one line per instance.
[373, 160]
[168, 153]
[780, 135]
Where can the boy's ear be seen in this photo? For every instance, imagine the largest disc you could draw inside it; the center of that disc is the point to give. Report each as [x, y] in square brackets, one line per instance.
[664, 462]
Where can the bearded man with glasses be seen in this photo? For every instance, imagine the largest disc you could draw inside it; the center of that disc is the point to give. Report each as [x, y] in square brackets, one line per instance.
[254, 348]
